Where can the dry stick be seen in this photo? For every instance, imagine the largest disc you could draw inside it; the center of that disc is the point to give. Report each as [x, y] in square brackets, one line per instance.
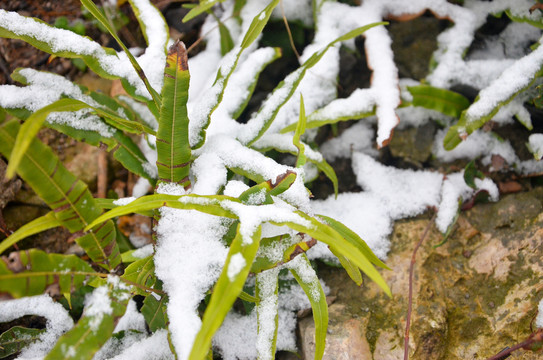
[536, 337]
[288, 31]
[410, 303]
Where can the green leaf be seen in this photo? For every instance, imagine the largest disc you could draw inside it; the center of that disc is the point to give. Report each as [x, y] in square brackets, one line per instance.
[141, 272]
[31, 272]
[33, 124]
[300, 129]
[266, 289]
[95, 326]
[445, 101]
[537, 22]
[227, 289]
[45, 222]
[258, 23]
[227, 43]
[308, 280]
[470, 122]
[93, 9]
[47, 39]
[154, 312]
[338, 244]
[251, 86]
[121, 145]
[68, 197]
[258, 125]
[470, 173]
[173, 127]
[15, 339]
[209, 204]
[352, 270]
[204, 6]
[143, 19]
[354, 239]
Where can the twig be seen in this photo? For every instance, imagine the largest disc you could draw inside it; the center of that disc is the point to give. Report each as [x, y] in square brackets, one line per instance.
[410, 303]
[536, 337]
[288, 31]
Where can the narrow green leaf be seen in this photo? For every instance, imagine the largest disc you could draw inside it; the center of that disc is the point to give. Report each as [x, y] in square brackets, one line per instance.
[329, 172]
[534, 21]
[445, 101]
[30, 128]
[227, 43]
[105, 307]
[173, 127]
[31, 272]
[267, 314]
[204, 6]
[15, 339]
[258, 24]
[230, 284]
[141, 272]
[320, 118]
[217, 92]
[48, 39]
[257, 126]
[210, 204]
[33, 124]
[494, 97]
[354, 239]
[154, 312]
[332, 238]
[308, 280]
[352, 270]
[121, 145]
[144, 19]
[68, 197]
[93, 9]
[247, 297]
[45, 222]
[300, 129]
[252, 85]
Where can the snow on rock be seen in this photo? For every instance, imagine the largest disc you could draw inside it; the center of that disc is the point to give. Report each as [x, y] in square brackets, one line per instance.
[389, 194]
[455, 189]
[58, 321]
[535, 142]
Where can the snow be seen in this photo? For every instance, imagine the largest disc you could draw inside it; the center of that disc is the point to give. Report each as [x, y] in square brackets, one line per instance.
[237, 263]
[190, 253]
[124, 201]
[97, 305]
[267, 311]
[58, 321]
[535, 143]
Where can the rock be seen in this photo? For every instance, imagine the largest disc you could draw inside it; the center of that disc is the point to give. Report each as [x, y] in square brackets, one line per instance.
[413, 144]
[414, 43]
[472, 296]
[345, 340]
[8, 187]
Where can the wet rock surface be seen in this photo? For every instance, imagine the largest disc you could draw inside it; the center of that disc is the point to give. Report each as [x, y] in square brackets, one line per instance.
[472, 296]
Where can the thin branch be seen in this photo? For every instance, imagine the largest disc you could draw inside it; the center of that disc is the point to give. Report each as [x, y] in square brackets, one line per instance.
[411, 271]
[288, 31]
[534, 338]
